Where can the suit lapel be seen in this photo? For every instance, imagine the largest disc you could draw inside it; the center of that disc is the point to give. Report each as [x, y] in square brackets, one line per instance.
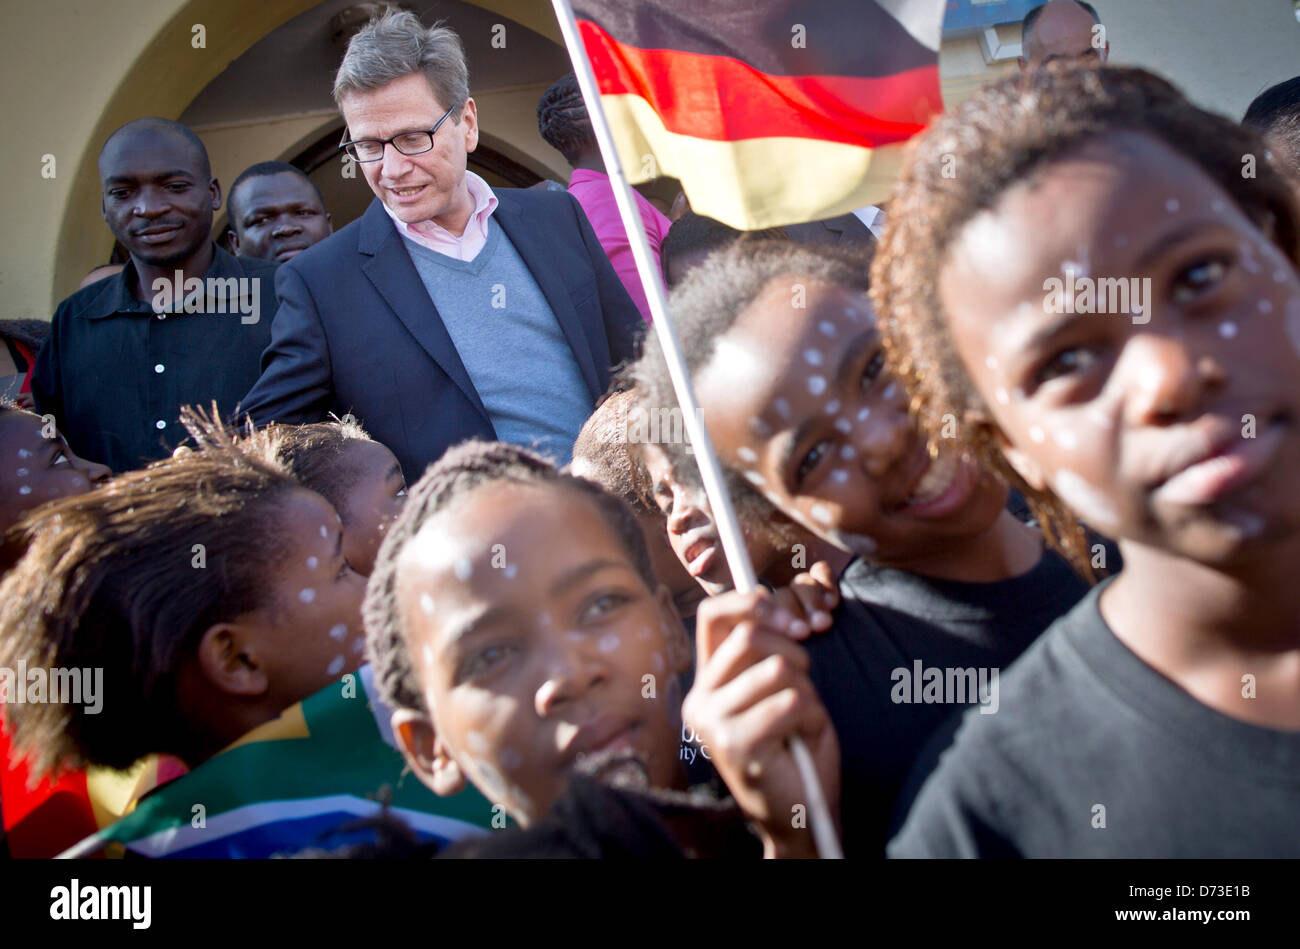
[522, 232]
[394, 277]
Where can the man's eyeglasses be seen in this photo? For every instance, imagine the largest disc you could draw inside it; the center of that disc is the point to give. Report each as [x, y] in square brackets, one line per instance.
[408, 143]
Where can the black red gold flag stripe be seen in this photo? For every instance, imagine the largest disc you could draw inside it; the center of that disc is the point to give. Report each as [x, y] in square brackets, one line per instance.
[769, 113]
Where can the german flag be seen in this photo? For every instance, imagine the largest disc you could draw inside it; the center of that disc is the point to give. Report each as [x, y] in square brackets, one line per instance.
[769, 113]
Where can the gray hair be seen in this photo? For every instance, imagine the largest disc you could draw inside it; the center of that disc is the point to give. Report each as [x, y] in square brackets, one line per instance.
[396, 45]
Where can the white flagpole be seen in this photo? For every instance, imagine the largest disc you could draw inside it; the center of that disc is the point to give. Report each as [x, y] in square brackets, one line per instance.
[724, 515]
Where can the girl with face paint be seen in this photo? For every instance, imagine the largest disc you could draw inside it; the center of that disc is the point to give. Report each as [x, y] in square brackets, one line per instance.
[553, 687]
[787, 364]
[1161, 716]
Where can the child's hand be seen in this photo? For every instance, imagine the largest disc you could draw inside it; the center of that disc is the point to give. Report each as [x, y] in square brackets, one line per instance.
[751, 694]
[810, 598]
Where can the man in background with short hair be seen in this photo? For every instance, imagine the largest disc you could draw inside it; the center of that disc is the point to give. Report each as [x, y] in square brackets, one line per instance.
[276, 212]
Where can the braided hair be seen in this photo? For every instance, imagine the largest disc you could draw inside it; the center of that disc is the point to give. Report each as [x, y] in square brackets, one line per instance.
[562, 119]
[464, 468]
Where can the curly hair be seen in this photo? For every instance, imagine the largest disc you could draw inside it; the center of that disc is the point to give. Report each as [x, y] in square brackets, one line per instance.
[1001, 136]
[110, 581]
[464, 468]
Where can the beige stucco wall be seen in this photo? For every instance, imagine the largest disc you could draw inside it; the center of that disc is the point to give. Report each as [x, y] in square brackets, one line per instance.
[74, 70]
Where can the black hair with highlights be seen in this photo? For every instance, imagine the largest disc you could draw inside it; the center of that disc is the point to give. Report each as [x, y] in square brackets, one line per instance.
[464, 468]
[562, 119]
[1000, 137]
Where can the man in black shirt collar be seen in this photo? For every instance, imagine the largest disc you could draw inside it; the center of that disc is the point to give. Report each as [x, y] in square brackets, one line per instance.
[183, 323]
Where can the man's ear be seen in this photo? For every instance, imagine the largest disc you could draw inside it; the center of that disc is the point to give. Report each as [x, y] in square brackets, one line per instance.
[228, 658]
[1024, 466]
[329, 221]
[233, 241]
[215, 186]
[427, 754]
[469, 115]
[681, 651]
[1024, 63]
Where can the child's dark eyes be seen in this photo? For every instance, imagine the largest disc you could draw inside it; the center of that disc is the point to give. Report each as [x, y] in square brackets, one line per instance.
[601, 606]
[664, 499]
[1068, 362]
[59, 458]
[486, 660]
[811, 460]
[343, 570]
[875, 366]
[1199, 278]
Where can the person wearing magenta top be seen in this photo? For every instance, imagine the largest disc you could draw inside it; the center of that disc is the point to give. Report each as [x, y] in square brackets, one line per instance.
[562, 120]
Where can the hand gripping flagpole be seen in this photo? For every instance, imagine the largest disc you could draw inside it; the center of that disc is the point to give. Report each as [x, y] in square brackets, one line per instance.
[724, 515]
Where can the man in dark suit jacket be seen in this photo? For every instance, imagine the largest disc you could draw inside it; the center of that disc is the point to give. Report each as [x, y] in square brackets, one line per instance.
[447, 311]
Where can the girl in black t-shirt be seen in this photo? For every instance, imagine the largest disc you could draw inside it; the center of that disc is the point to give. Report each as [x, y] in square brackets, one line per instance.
[1112, 310]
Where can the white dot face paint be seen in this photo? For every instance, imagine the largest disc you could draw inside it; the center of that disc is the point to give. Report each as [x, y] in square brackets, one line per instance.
[1265, 306]
[307, 595]
[1217, 206]
[324, 531]
[22, 472]
[839, 476]
[832, 406]
[992, 363]
[338, 631]
[658, 662]
[427, 652]
[1279, 275]
[312, 563]
[1085, 500]
[1066, 439]
[816, 384]
[890, 390]
[781, 407]
[510, 759]
[1149, 378]
[358, 644]
[464, 570]
[843, 425]
[753, 477]
[1099, 418]
[24, 453]
[827, 328]
[1172, 205]
[821, 514]
[511, 570]
[1037, 434]
[1228, 329]
[426, 604]
[25, 489]
[1248, 260]
[608, 643]
[746, 454]
[759, 427]
[1018, 394]
[1001, 395]
[336, 665]
[477, 743]
[812, 357]
[864, 414]
[848, 452]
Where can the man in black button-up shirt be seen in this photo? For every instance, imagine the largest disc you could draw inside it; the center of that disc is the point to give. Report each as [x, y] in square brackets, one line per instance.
[184, 323]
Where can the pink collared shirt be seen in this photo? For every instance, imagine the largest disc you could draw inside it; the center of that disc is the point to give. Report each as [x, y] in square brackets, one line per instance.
[437, 238]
